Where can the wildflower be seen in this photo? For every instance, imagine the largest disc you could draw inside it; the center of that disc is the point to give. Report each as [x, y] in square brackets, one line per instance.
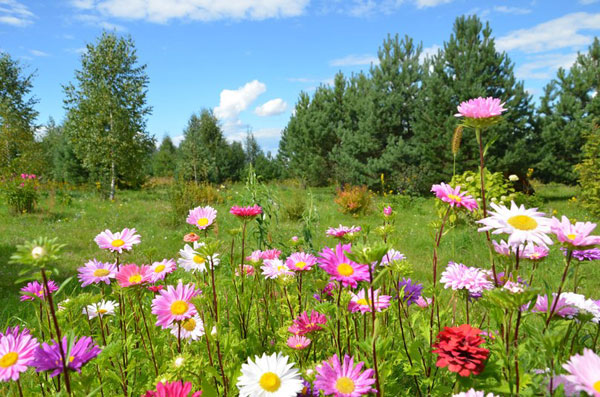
[202, 217]
[340, 268]
[100, 309]
[36, 289]
[458, 349]
[305, 324]
[173, 304]
[423, 302]
[341, 231]
[392, 256]
[473, 393]
[173, 389]
[412, 290]
[300, 261]
[454, 197]
[513, 178]
[574, 235]
[562, 309]
[362, 302]
[387, 211]
[520, 223]
[344, 379]
[269, 376]
[270, 254]
[38, 252]
[480, 108]
[535, 252]
[48, 358]
[16, 353]
[119, 241]
[191, 328]
[505, 249]
[246, 212]
[583, 305]
[161, 269]
[130, 275]
[247, 270]
[584, 372]
[192, 261]
[96, 272]
[297, 342]
[274, 268]
[295, 239]
[191, 237]
[458, 276]
[592, 254]
[255, 257]
[307, 389]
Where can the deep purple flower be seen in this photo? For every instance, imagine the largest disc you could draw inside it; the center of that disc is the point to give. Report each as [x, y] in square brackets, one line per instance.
[412, 290]
[593, 254]
[36, 289]
[308, 390]
[47, 357]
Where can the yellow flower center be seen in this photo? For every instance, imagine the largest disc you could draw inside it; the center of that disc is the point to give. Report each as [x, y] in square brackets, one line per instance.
[454, 197]
[101, 273]
[571, 236]
[179, 307]
[280, 268]
[202, 222]
[345, 269]
[198, 259]
[270, 382]
[189, 324]
[597, 386]
[522, 222]
[363, 302]
[344, 385]
[300, 265]
[9, 359]
[298, 345]
[71, 359]
[102, 311]
[117, 243]
[135, 279]
[159, 268]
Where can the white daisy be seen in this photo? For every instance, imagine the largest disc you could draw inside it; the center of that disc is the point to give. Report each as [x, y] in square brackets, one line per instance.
[190, 259]
[269, 376]
[191, 328]
[587, 306]
[521, 224]
[274, 268]
[102, 308]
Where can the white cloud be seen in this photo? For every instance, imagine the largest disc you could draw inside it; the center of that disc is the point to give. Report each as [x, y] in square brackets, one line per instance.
[38, 53]
[265, 133]
[355, 60]
[271, 108]
[512, 10]
[162, 11]
[430, 3]
[544, 66]
[95, 20]
[233, 102]
[563, 32]
[429, 52]
[15, 14]
[588, 2]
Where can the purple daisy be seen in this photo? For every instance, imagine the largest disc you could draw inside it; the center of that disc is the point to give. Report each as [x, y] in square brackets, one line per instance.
[412, 290]
[48, 358]
[96, 272]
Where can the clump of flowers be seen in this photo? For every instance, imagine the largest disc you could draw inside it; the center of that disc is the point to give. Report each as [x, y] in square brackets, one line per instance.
[458, 348]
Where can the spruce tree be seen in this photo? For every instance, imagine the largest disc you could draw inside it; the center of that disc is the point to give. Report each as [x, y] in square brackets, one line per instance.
[165, 158]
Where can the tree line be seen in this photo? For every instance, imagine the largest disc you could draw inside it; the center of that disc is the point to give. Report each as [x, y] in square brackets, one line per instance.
[390, 127]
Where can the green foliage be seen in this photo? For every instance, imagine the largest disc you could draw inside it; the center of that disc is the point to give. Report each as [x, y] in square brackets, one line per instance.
[184, 196]
[294, 209]
[164, 159]
[589, 170]
[353, 200]
[21, 192]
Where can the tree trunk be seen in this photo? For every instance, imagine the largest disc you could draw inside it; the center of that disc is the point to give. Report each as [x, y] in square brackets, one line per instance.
[112, 181]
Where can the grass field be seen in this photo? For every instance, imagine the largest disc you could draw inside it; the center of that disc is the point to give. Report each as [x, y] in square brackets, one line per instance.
[149, 211]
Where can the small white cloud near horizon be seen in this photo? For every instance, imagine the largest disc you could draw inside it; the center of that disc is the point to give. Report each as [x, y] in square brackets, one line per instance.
[264, 133]
[233, 102]
[587, 2]
[38, 53]
[428, 52]
[15, 14]
[271, 108]
[431, 3]
[355, 60]
[512, 10]
[544, 66]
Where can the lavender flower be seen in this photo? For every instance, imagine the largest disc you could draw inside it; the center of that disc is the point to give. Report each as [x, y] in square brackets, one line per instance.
[47, 357]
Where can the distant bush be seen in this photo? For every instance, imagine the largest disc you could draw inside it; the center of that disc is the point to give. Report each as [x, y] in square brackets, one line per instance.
[293, 209]
[187, 195]
[21, 192]
[158, 182]
[353, 199]
[589, 171]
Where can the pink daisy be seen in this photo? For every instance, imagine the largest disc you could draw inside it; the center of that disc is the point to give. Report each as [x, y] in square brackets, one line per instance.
[341, 231]
[342, 269]
[563, 309]
[246, 212]
[16, 353]
[173, 389]
[458, 276]
[96, 272]
[297, 342]
[344, 379]
[36, 289]
[247, 270]
[202, 217]
[454, 196]
[119, 241]
[535, 252]
[480, 108]
[300, 261]
[129, 275]
[575, 235]
[305, 324]
[159, 270]
[423, 302]
[273, 268]
[584, 372]
[387, 211]
[362, 303]
[255, 257]
[173, 304]
[270, 254]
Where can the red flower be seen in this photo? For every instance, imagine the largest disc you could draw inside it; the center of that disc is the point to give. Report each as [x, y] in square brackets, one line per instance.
[246, 212]
[155, 288]
[458, 349]
[191, 237]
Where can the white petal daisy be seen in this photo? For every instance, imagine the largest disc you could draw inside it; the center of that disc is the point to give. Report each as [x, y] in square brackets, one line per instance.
[523, 225]
[102, 308]
[191, 328]
[269, 376]
[190, 260]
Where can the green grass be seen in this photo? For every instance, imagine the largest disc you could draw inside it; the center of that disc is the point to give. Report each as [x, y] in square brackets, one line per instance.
[149, 212]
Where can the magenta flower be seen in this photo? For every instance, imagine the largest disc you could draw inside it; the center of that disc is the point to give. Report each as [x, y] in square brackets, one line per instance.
[342, 269]
[458, 276]
[246, 212]
[344, 379]
[130, 275]
[362, 303]
[574, 235]
[387, 211]
[454, 196]
[270, 254]
[298, 342]
[36, 289]
[584, 372]
[173, 389]
[592, 254]
[563, 308]
[247, 270]
[341, 231]
[16, 353]
[96, 272]
[159, 270]
[174, 304]
[202, 217]
[305, 324]
[48, 358]
[481, 108]
[300, 261]
[273, 268]
[535, 252]
[119, 241]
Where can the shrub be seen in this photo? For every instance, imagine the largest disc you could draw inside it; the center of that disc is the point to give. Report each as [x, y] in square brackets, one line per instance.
[293, 209]
[187, 195]
[589, 171]
[21, 192]
[353, 199]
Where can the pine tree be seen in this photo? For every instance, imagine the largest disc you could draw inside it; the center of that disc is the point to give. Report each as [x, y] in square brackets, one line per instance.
[165, 158]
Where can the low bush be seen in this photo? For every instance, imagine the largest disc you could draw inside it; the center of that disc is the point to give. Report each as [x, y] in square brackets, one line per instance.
[186, 195]
[21, 192]
[353, 200]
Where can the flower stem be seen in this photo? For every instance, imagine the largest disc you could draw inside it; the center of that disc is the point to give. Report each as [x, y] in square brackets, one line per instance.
[562, 283]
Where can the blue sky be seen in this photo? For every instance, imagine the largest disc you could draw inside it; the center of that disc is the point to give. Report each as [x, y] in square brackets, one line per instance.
[249, 59]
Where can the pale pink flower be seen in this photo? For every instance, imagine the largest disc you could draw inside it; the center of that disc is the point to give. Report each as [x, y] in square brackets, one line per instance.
[174, 304]
[300, 261]
[341, 231]
[273, 268]
[202, 217]
[298, 342]
[584, 372]
[480, 108]
[362, 302]
[454, 196]
[119, 241]
[574, 235]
